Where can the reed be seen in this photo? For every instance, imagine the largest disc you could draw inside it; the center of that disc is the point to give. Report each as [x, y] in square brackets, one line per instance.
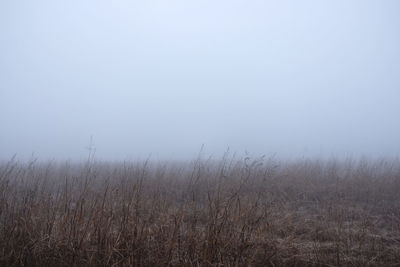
[231, 212]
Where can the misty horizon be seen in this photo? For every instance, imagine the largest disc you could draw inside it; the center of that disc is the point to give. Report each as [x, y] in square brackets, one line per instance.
[161, 79]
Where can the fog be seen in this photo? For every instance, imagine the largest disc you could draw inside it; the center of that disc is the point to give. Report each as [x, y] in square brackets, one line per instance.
[161, 78]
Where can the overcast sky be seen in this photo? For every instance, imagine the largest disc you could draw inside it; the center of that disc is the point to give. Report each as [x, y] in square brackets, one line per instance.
[162, 77]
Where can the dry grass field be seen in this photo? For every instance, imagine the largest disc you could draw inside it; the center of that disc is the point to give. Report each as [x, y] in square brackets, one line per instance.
[231, 212]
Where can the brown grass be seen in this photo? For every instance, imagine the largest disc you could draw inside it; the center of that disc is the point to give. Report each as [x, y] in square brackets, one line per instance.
[202, 213]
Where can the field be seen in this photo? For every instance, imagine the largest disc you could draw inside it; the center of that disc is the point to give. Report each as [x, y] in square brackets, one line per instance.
[227, 212]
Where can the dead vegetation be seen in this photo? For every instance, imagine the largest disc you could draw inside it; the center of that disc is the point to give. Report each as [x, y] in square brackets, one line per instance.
[203, 213]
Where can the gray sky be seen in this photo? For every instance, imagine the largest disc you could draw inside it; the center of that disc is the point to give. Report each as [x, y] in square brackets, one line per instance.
[296, 78]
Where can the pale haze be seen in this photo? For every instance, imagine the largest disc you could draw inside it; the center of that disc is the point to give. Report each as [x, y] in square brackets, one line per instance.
[162, 78]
